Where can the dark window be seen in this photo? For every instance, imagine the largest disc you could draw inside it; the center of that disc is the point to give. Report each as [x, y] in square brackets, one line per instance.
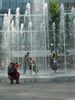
[5, 4]
[0, 4]
[20, 4]
[13, 4]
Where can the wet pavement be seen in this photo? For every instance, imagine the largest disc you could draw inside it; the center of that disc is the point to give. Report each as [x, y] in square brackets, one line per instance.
[60, 86]
[37, 91]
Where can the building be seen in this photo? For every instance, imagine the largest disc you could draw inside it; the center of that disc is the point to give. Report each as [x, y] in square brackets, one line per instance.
[68, 4]
[13, 4]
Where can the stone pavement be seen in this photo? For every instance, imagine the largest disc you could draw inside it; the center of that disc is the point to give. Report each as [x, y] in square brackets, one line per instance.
[37, 91]
[39, 87]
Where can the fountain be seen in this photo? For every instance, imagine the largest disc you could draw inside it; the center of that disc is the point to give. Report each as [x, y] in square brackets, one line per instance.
[62, 35]
[29, 32]
[26, 36]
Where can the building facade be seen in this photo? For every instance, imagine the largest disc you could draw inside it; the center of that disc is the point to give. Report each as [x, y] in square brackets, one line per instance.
[13, 4]
[68, 4]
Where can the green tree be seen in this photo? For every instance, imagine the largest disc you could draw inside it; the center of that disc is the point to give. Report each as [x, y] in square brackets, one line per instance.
[54, 10]
[54, 16]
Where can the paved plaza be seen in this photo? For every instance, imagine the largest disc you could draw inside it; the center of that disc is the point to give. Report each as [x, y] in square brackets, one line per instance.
[37, 91]
[44, 86]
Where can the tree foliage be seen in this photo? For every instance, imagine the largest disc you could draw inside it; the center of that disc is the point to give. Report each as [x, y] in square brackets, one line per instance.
[54, 16]
[54, 10]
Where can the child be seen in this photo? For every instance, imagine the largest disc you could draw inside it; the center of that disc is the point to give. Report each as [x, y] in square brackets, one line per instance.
[14, 76]
[34, 67]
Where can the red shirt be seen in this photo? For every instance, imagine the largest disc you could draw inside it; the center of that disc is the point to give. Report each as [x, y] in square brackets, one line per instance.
[16, 66]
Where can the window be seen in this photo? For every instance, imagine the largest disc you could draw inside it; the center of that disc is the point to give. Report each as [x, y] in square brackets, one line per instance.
[20, 4]
[5, 4]
[0, 4]
[13, 4]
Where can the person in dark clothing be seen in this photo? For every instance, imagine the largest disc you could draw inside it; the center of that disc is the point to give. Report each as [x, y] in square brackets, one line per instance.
[26, 62]
[30, 63]
[34, 67]
[53, 62]
[14, 76]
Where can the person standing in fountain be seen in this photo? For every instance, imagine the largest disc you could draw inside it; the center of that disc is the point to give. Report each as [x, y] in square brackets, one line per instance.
[53, 62]
[34, 67]
[13, 73]
[26, 62]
